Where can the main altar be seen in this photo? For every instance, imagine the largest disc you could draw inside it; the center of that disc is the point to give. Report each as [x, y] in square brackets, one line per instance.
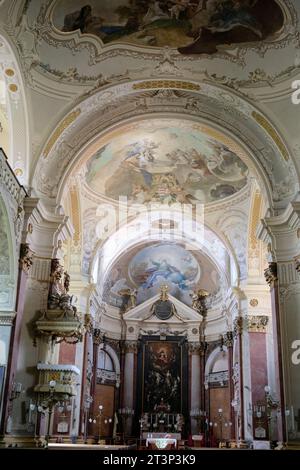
[163, 328]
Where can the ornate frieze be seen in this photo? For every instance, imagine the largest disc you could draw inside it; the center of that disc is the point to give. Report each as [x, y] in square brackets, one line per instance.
[257, 323]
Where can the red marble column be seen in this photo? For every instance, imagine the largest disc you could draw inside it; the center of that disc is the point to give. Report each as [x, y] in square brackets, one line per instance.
[94, 408]
[229, 344]
[239, 324]
[122, 366]
[258, 360]
[272, 280]
[25, 263]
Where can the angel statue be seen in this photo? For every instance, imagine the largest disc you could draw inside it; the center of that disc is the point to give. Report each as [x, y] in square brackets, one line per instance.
[199, 301]
[129, 298]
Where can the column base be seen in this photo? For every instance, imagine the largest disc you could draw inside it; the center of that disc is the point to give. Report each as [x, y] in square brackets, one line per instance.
[10, 440]
[293, 445]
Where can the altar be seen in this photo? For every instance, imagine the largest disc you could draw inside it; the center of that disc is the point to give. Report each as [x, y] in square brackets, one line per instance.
[161, 440]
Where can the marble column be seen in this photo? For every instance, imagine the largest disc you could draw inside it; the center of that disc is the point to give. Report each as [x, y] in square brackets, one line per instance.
[228, 341]
[195, 384]
[282, 234]
[243, 374]
[25, 263]
[93, 411]
[43, 232]
[257, 328]
[129, 380]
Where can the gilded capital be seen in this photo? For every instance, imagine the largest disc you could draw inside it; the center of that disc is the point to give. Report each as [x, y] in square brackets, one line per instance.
[229, 339]
[98, 336]
[238, 325]
[257, 323]
[297, 263]
[194, 347]
[131, 346]
[271, 274]
[26, 257]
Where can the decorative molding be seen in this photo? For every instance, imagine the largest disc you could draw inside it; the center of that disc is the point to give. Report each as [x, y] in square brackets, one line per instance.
[7, 318]
[257, 323]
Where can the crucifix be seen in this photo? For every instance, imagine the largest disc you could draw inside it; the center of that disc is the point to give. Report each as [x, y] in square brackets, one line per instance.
[164, 292]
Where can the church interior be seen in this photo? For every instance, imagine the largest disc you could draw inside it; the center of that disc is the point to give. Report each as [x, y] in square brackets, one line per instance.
[150, 224]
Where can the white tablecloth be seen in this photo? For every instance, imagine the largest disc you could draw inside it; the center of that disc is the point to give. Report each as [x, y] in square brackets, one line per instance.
[161, 443]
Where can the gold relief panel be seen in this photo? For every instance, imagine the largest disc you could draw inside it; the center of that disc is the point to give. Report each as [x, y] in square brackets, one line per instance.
[267, 126]
[159, 84]
[60, 129]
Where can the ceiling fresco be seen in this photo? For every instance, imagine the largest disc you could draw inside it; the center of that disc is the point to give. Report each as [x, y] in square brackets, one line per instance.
[192, 26]
[165, 161]
[146, 269]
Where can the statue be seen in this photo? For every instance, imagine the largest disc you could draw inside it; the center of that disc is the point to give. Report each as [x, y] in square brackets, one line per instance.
[129, 299]
[199, 301]
[58, 298]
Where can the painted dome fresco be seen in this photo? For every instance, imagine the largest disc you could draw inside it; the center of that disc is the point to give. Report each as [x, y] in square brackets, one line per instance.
[192, 26]
[165, 161]
[148, 268]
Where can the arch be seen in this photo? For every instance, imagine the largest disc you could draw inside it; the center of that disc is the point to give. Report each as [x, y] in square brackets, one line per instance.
[106, 347]
[212, 358]
[250, 131]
